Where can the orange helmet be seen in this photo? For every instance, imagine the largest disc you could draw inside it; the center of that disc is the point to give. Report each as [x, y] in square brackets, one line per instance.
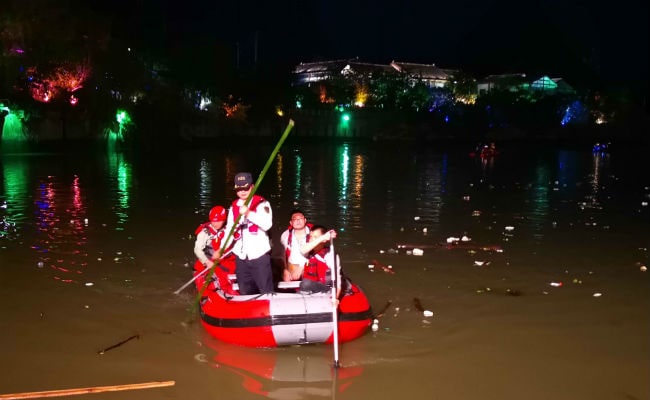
[217, 213]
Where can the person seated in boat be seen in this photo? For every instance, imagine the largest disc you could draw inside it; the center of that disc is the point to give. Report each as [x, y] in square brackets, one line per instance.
[317, 274]
[296, 235]
[209, 239]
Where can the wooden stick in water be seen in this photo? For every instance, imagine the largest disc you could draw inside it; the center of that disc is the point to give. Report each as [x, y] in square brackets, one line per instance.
[95, 389]
[118, 344]
[383, 310]
[417, 304]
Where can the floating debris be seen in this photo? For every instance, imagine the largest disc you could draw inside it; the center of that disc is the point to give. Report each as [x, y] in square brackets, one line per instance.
[481, 263]
[383, 310]
[556, 284]
[119, 344]
[417, 304]
[597, 294]
[386, 268]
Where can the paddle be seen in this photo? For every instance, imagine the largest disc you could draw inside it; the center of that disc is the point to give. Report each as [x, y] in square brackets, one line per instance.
[335, 317]
[250, 197]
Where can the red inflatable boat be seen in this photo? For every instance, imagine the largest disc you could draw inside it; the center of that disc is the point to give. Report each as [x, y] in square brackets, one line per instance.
[282, 318]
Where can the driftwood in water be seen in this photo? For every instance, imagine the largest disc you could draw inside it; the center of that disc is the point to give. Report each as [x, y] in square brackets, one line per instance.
[417, 304]
[384, 267]
[119, 344]
[383, 310]
[95, 389]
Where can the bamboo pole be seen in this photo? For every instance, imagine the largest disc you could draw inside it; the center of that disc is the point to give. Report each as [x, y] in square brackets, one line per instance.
[88, 390]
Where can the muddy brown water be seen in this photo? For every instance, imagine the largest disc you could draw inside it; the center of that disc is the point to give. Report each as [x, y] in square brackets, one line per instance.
[94, 244]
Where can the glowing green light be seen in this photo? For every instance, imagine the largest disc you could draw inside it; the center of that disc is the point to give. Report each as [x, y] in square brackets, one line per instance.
[122, 117]
[345, 117]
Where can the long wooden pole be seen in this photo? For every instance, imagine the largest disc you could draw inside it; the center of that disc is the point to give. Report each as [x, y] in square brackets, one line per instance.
[250, 197]
[88, 390]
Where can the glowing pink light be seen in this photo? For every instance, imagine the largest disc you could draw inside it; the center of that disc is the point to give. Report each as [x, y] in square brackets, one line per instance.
[73, 100]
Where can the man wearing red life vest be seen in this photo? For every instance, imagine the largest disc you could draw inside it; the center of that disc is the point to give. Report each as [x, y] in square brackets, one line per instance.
[252, 246]
[209, 237]
[293, 239]
[317, 275]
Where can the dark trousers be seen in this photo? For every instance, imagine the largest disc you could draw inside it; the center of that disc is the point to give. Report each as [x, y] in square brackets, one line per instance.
[255, 276]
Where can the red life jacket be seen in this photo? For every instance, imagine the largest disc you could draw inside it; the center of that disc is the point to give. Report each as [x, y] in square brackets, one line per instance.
[287, 251]
[255, 201]
[316, 268]
[216, 236]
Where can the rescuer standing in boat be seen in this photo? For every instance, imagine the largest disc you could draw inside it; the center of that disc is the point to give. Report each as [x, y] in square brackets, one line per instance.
[252, 246]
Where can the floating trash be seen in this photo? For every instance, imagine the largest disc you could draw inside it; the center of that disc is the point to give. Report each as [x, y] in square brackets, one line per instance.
[416, 218]
[452, 239]
[643, 268]
[427, 313]
[418, 252]
[509, 228]
[556, 284]
[465, 239]
[89, 284]
[597, 294]
[481, 263]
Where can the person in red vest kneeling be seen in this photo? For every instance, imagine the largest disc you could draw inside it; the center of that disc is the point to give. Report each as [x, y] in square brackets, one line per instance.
[317, 275]
[209, 239]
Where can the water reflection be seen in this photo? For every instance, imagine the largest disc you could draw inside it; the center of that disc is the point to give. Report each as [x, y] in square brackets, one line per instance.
[539, 201]
[430, 186]
[592, 199]
[120, 175]
[12, 202]
[61, 225]
[285, 373]
[205, 184]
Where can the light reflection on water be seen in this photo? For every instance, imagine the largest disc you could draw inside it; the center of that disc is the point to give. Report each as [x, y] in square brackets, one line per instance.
[350, 187]
[120, 177]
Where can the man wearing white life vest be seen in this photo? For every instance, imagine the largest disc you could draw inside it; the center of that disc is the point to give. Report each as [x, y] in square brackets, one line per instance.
[293, 239]
[252, 245]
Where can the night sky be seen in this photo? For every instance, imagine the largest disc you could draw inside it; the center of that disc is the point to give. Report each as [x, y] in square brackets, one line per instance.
[558, 38]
